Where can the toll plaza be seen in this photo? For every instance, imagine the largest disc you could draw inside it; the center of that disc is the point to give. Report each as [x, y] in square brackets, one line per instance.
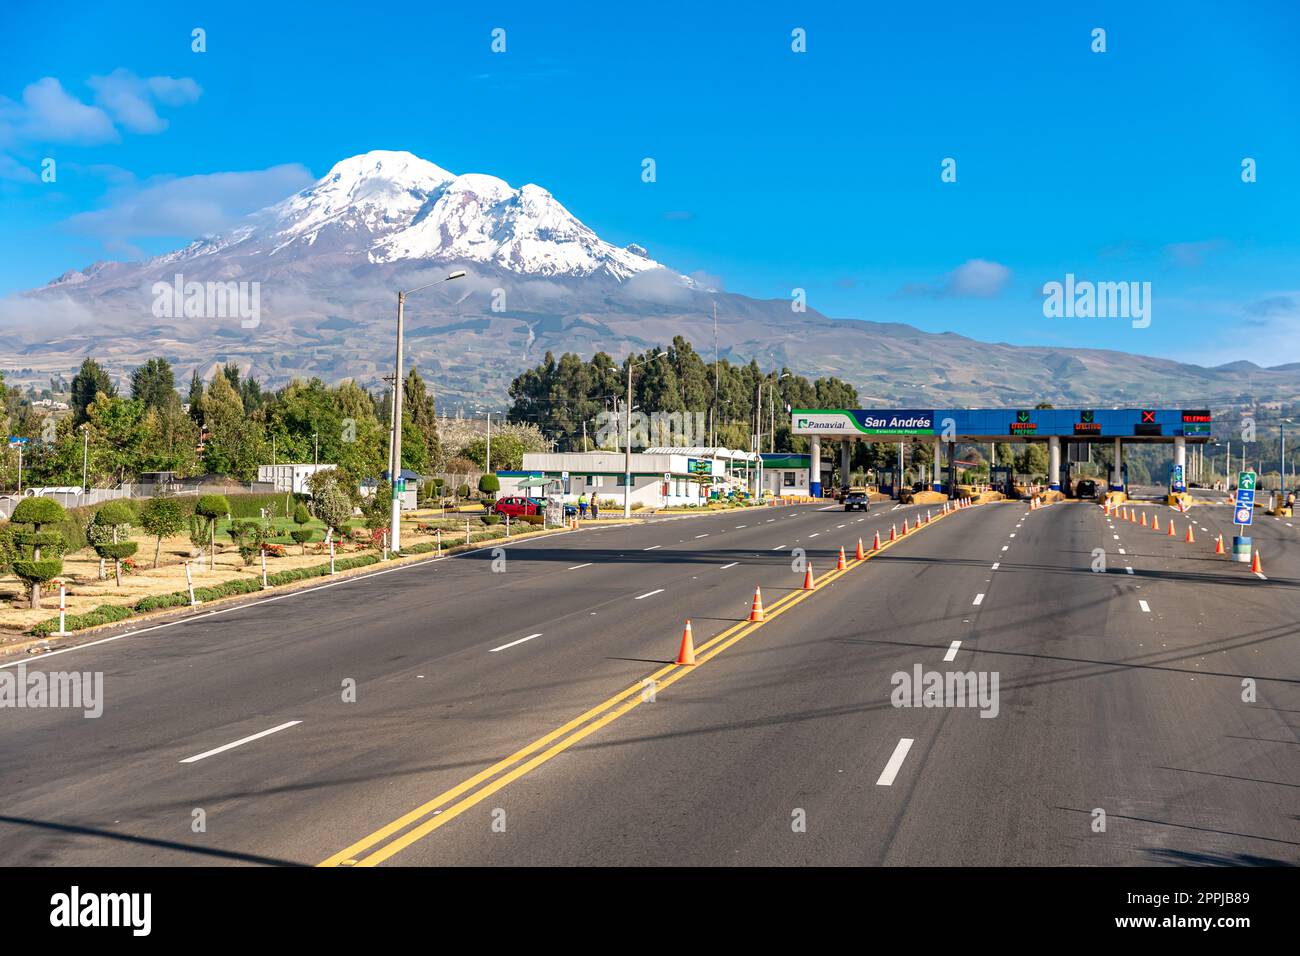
[1058, 428]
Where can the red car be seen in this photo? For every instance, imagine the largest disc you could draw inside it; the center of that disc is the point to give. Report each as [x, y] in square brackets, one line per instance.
[516, 505]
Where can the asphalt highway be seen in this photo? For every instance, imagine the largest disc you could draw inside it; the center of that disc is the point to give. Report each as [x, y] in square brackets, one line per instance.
[522, 707]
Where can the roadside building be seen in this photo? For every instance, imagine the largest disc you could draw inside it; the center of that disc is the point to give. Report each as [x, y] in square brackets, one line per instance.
[787, 474]
[292, 478]
[661, 477]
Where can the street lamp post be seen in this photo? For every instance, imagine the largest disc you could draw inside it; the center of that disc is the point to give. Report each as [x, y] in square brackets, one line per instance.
[627, 442]
[395, 443]
[85, 457]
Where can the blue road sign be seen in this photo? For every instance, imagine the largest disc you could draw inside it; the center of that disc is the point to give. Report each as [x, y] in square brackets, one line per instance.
[1243, 509]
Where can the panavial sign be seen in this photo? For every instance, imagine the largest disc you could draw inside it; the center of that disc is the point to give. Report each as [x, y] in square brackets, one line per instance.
[863, 421]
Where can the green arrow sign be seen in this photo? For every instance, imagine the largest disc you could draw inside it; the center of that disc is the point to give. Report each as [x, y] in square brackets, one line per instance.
[1246, 481]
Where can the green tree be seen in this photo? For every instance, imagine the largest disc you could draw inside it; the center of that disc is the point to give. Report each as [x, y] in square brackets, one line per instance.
[32, 567]
[196, 397]
[332, 503]
[235, 440]
[154, 384]
[489, 484]
[89, 382]
[417, 401]
[162, 517]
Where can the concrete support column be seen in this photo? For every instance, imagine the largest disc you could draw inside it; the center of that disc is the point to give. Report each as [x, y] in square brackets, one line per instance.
[844, 463]
[815, 463]
[1116, 472]
[1054, 463]
[936, 482]
[1180, 458]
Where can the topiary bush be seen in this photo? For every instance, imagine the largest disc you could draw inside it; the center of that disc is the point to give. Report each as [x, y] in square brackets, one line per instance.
[162, 517]
[30, 565]
[212, 507]
[489, 484]
[490, 519]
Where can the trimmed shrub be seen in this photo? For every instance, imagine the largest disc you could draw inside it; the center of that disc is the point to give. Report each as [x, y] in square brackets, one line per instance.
[212, 507]
[489, 484]
[162, 518]
[490, 519]
[33, 568]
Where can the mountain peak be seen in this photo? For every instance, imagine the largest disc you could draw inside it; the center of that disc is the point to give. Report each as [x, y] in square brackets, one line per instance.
[396, 165]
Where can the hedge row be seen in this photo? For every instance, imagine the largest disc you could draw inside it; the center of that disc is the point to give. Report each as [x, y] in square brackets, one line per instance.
[112, 613]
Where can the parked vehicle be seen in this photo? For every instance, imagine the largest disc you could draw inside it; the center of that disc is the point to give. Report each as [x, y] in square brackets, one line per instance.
[517, 505]
[1085, 488]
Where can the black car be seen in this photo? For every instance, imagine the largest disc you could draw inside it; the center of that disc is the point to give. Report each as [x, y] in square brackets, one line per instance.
[857, 501]
[1085, 488]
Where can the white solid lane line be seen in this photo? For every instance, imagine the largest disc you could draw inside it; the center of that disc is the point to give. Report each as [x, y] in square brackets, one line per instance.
[649, 594]
[1145, 608]
[895, 762]
[241, 742]
[653, 548]
[979, 599]
[576, 566]
[731, 565]
[952, 651]
[513, 643]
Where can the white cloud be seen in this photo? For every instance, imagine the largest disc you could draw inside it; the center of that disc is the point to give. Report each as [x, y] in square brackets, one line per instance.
[130, 99]
[189, 206]
[973, 279]
[49, 114]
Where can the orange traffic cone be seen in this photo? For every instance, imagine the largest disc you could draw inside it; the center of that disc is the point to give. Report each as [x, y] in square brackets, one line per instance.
[927, 515]
[893, 532]
[687, 654]
[756, 608]
[875, 544]
[904, 526]
[1190, 539]
[1171, 527]
[860, 554]
[1255, 565]
[1218, 545]
[1155, 522]
[808, 582]
[1144, 519]
[841, 564]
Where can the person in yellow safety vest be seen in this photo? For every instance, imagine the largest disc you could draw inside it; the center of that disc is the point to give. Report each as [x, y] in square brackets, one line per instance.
[582, 505]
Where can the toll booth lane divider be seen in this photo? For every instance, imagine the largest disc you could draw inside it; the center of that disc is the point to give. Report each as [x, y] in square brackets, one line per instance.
[387, 841]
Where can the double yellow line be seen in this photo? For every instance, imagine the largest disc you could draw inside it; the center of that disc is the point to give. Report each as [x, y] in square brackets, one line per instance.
[426, 818]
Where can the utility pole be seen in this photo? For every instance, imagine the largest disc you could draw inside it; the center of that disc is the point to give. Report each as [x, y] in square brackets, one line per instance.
[713, 412]
[489, 443]
[395, 518]
[85, 458]
[315, 444]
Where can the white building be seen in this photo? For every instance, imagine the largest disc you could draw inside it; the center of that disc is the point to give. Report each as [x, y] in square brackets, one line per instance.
[290, 477]
[661, 477]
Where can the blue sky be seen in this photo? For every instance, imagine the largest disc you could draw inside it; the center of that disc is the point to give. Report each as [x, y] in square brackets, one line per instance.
[775, 169]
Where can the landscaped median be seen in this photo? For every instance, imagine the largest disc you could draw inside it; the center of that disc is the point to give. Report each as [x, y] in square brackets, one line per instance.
[106, 614]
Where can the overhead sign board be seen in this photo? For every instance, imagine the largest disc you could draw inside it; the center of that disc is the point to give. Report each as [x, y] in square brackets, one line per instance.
[903, 421]
[1023, 424]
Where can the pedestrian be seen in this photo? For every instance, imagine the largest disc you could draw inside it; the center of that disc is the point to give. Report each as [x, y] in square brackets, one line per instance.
[582, 505]
[595, 508]
[1290, 502]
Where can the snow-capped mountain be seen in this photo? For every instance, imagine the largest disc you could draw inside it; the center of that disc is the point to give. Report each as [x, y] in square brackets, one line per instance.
[327, 262]
[389, 206]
